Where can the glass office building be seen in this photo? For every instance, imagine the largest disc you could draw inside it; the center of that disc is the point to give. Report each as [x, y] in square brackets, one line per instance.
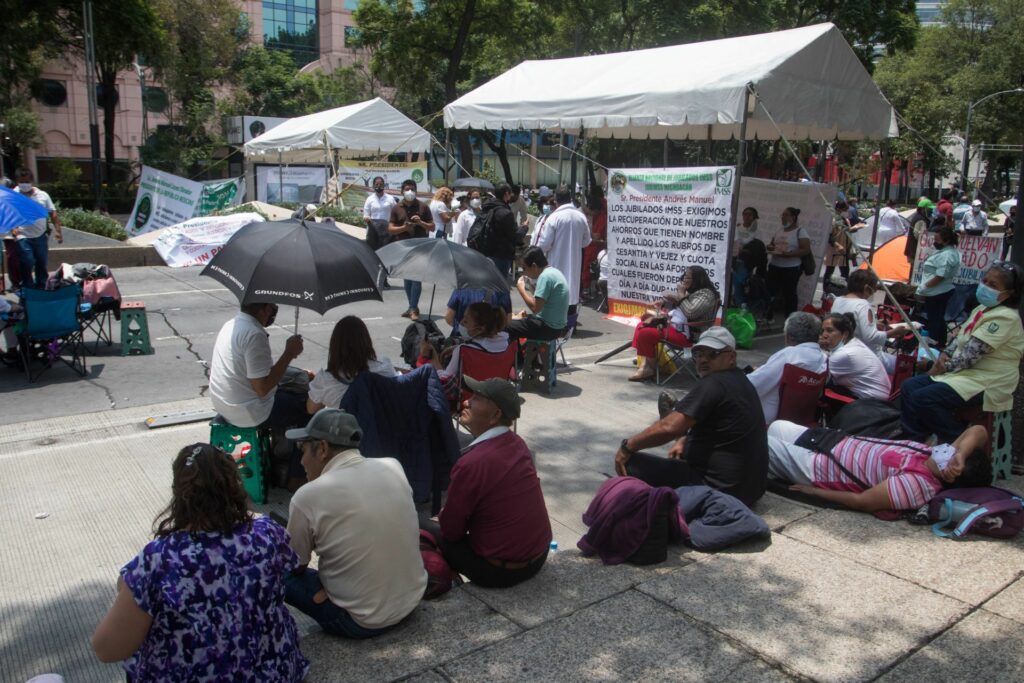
[292, 25]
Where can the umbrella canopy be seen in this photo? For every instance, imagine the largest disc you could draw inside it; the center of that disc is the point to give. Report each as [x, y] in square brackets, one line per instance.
[310, 265]
[473, 184]
[441, 262]
[16, 210]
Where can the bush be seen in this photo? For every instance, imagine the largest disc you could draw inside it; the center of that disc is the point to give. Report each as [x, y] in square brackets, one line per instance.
[349, 216]
[91, 221]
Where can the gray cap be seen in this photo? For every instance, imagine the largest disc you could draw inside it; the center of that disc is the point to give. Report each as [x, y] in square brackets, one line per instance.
[544, 191]
[333, 425]
[976, 202]
[716, 338]
[501, 392]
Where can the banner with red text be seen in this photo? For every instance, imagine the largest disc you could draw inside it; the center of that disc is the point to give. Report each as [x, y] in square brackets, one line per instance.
[661, 221]
[194, 242]
[976, 256]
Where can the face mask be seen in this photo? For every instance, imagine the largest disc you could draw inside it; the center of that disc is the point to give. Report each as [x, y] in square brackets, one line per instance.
[24, 187]
[547, 209]
[379, 190]
[786, 225]
[463, 332]
[939, 245]
[271, 319]
[986, 296]
[409, 195]
[475, 203]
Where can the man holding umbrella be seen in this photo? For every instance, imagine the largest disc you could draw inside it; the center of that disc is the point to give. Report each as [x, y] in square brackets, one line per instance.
[410, 218]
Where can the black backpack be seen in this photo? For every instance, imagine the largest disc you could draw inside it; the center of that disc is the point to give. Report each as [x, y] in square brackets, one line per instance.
[870, 417]
[480, 233]
[414, 335]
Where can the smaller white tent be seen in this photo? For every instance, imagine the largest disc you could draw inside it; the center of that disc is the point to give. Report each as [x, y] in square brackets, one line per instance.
[363, 129]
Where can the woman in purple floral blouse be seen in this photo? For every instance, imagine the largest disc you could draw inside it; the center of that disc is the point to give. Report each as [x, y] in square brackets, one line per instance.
[204, 600]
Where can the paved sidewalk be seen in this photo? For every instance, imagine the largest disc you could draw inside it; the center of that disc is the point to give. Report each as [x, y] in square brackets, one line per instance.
[834, 596]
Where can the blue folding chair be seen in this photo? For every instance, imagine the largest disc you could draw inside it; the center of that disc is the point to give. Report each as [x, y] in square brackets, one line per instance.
[52, 330]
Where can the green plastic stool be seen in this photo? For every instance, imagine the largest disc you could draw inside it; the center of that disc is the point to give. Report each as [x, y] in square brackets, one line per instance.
[134, 329]
[249, 447]
[1002, 445]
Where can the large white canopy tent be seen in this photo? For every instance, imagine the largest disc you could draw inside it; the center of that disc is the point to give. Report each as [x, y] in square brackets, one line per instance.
[357, 130]
[808, 78]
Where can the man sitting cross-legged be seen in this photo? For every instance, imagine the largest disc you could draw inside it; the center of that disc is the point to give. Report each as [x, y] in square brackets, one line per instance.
[494, 527]
[358, 515]
[886, 474]
[718, 427]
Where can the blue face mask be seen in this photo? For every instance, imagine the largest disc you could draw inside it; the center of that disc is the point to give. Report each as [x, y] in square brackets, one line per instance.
[986, 296]
[546, 209]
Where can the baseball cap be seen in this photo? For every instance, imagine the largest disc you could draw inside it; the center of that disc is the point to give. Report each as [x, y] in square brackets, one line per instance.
[976, 202]
[925, 203]
[717, 338]
[333, 425]
[502, 393]
[544, 191]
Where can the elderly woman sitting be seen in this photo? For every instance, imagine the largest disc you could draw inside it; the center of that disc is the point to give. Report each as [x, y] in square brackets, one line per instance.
[980, 368]
[852, 367]
[695, 300]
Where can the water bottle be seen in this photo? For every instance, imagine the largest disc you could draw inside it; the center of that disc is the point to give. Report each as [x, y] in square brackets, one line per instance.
[925, 352]
[553, 547]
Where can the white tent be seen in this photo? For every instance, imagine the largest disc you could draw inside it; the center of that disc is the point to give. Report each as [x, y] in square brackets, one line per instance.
[363, 129]
[808, 78]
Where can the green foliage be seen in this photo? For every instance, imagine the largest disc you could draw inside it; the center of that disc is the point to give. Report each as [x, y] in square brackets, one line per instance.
[91, 221]
[341, 215]
[241, 208]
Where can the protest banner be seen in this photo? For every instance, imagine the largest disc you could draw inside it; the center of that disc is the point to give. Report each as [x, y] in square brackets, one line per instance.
[220, 194]
[770, 197]
[976, 256]
[162, 199]
[194, 242]
[660, 221]
[294, 184]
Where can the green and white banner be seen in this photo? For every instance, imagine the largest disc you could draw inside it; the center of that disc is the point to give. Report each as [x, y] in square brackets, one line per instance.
[220, 194]
[163, 199]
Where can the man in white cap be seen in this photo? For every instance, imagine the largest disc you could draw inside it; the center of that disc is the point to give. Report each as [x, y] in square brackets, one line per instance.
[975, 221]
[718, 428]
[358, 515]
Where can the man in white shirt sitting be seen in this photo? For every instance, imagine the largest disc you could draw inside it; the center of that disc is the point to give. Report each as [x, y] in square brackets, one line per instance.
[358, 515]
[376, 212]
[802, 331]
[562, 237]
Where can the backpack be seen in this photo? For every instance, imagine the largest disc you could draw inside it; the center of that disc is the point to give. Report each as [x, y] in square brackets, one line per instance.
[481, 235]
[440, 576]
[988, 510]
[414, 334]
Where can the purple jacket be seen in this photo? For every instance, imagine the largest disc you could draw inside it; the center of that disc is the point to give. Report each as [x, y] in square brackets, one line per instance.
[620, 516]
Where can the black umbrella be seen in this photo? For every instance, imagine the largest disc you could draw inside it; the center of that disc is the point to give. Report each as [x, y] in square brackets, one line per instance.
[473, 184]
[441, 262]
[307, 265]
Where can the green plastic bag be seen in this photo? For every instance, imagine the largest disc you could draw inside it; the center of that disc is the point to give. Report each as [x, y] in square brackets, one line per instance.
[741, 323]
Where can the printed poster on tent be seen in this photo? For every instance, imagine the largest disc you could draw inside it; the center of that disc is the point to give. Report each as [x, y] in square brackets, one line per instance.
[661, 221]
[163, 199]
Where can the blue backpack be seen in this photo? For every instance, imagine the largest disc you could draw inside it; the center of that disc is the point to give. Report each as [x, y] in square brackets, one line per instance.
[987, 510]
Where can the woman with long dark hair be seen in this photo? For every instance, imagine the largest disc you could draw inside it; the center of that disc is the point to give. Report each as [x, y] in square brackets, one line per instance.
[350, 353]
[204, 600]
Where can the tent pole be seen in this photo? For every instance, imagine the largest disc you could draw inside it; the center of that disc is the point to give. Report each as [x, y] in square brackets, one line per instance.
[561, 142]
[280, 176]
[878, 199]
[447, 160]
[741, 153]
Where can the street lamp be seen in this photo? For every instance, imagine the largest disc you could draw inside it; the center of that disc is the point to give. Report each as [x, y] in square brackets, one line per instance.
[967, 133]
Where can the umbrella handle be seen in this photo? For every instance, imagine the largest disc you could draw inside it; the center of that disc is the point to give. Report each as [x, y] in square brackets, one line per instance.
[296, 320]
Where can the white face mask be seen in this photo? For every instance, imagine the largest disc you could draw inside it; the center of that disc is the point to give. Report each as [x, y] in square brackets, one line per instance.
[463, 332]
[475, 203]
[409, 195]
[24, 187]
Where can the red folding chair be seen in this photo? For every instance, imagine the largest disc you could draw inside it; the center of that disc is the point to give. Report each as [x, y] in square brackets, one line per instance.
[481, 365]
[906, 364]
[800, 394]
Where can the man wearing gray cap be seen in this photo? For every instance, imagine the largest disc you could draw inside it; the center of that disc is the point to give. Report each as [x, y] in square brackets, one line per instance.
[358, 515]
[494, 527]
[718, 427]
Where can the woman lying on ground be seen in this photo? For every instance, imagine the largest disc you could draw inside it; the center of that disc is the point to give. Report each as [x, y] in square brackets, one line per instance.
[204, 600]
[350, 353]
[887, 475]
[695, 300]
[980, 368]
[853, 369]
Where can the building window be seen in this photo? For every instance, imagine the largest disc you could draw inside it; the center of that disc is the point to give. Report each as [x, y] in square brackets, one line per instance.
[292, 26]
[155, 99]
[50, 92]
[351, 37]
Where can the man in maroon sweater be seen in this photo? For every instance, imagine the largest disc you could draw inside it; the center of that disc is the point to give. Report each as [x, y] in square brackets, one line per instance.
[494, 527]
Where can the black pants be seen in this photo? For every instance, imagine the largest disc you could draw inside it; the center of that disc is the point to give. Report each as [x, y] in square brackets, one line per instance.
[783, 283]
[935, 309]
[532, 327]
[478, 570]
[659, 471]
[829, 270]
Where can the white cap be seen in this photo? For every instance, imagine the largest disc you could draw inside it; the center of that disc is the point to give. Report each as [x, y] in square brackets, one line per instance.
[976, 202]
[544, 191]
[716, 338]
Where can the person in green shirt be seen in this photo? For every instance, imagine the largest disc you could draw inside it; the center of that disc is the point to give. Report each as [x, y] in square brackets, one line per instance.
[981, 366]
[549, 303]
[937, 273]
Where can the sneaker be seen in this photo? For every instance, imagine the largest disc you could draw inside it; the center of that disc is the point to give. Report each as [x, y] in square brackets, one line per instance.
[665, 404]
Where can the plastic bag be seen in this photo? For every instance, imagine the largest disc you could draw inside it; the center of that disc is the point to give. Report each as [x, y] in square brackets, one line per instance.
[740, 322]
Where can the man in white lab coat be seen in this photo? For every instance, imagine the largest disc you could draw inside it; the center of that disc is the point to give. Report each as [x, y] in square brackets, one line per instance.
[562, 238]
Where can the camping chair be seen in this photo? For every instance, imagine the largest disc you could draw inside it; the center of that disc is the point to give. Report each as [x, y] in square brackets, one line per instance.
[559, 343]
[482, 365]
[52, 329]
[680, 356]
[800, 395]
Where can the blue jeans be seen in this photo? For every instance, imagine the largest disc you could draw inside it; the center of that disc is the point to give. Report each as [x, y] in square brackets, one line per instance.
[412, 293]
[504, 265]
[299, 590]
[33, 253]
[928, 407]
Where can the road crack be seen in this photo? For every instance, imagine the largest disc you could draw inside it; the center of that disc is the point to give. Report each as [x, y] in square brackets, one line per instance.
[189, 348]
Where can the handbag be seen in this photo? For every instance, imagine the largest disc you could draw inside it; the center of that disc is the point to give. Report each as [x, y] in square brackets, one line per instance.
[808, 265]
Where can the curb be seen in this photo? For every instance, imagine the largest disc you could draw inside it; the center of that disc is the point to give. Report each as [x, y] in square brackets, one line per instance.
[121, 256]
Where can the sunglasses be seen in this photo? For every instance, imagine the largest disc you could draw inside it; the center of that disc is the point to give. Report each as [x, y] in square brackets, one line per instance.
[1009, 267]
[703, 354]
